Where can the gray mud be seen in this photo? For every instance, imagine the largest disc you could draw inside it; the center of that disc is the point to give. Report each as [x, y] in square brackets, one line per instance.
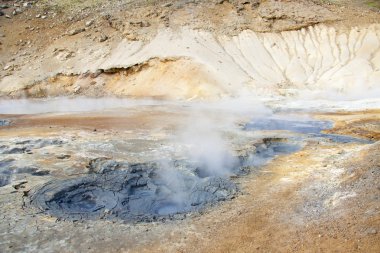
[9, 172]
[131, 192]
[26, 146]
[4, 122]
[148, 191]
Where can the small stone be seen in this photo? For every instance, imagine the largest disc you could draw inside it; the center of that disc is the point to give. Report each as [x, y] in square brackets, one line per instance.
[371, 231]
[7, 16]
[89, 23]
[76, 31]
[77, 89]
[28, 4]
[240, 8]
[61, 157]
[144, 24]
[43, 17]
[8, 67]
[38, 15]
[103, 38]
[17, 11]
[167, 5]
[131, 37]
[4, 6]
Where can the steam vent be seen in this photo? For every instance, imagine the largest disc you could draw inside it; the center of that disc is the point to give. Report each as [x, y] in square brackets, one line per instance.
[189, 126]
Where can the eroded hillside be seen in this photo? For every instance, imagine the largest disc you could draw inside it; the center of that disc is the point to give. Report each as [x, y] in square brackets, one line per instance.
[210, 49]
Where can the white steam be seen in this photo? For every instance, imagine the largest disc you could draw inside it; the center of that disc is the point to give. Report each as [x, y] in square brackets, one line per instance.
[206, 145]
[67, 105]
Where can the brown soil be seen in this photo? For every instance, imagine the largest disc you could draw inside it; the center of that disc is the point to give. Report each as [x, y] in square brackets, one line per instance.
[184, 78]
[364, 124]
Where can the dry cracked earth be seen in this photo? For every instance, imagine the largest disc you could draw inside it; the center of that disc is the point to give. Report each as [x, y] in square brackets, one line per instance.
[189, 126]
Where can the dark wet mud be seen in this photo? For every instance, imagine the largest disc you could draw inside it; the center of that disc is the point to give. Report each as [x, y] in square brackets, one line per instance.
[131, 192]
[148, 191]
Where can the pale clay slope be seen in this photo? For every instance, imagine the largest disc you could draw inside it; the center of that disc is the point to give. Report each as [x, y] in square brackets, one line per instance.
[317, 58]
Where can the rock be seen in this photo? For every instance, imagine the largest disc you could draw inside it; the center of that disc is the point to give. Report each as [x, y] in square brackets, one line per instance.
[141, 23]
[4, 6]
[371, 231]
[167, 5]
[145, 24]
[7, 16]
[43, 17]
[27, 4]
[61, 157]
[131, 37]
[9, 67]
[103, 38]
[38, 15]
[2, 13]
[77, 89]
[76, 31]
[17, 11]
[89, 23]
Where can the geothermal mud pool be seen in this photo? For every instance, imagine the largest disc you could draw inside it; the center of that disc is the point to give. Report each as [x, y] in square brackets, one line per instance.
[147, 191]
[135, 192]
[144, 165]
[159, 189]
